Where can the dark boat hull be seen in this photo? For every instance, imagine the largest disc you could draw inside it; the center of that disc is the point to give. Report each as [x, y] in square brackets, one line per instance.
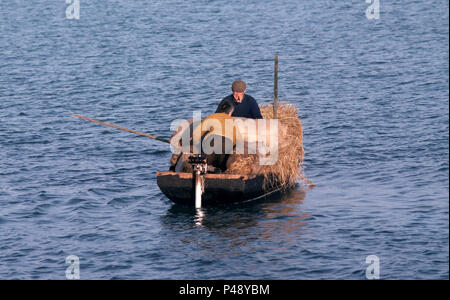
[218, 188]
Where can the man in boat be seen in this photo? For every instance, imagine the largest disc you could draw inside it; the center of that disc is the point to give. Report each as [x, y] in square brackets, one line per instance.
[244, 105]
[218, 127]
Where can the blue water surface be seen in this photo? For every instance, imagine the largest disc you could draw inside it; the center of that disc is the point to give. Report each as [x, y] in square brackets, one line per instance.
[372, 96]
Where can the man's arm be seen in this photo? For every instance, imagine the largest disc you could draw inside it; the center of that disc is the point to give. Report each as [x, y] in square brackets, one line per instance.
[255, 111]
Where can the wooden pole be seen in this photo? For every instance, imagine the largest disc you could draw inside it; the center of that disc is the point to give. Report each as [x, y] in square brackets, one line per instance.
[122, 128]
[275, 89]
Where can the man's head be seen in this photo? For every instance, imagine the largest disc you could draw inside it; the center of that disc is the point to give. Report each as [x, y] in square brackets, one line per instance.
[226, 107]
[239, 88]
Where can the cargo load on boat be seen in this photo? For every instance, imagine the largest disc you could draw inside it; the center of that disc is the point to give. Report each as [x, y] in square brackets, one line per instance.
[249, 174]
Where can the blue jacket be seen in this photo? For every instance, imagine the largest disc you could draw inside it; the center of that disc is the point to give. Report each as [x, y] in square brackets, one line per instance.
[248, 108]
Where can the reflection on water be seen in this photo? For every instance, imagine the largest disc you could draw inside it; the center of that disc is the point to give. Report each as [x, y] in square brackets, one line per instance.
[232, 230]
[287, 210]
[199, 215]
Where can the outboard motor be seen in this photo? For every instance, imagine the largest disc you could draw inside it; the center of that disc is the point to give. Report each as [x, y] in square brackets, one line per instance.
[199, 168]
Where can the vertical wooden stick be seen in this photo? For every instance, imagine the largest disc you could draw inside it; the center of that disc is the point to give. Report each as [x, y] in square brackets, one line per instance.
[275, 89]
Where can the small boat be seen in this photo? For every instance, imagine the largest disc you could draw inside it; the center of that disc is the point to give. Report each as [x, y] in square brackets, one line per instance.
[217, 188]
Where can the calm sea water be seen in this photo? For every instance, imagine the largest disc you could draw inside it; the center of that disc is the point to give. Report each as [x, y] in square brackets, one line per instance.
[372, 95]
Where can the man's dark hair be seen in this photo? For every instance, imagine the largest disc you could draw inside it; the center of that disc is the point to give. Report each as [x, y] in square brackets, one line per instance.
[225, 107]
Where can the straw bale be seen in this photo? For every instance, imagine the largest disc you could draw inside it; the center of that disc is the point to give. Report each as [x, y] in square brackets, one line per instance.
[289, 165]
[288, 168]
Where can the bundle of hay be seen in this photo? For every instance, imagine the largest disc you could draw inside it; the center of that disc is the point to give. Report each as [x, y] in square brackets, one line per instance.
[288, 168]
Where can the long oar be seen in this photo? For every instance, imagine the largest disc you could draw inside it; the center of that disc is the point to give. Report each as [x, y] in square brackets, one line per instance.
[125, 129]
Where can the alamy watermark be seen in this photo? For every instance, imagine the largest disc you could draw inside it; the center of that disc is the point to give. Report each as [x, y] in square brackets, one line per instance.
[373, 11]
[250, 136]
[73, 10]
[373, 270]
[73, 270]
